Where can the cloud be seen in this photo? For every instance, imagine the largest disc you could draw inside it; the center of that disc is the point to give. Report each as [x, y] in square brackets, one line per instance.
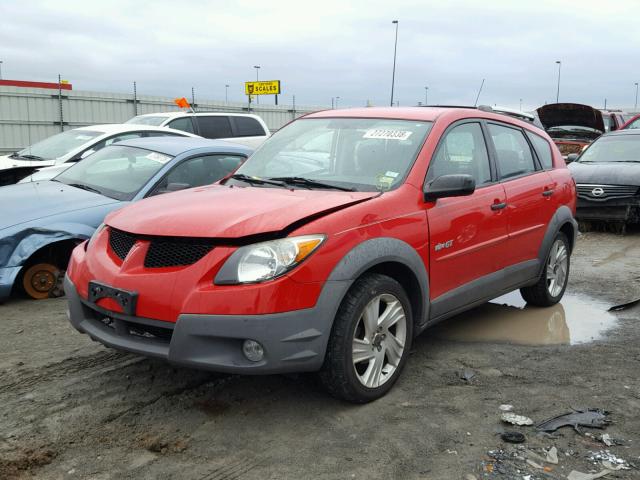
[320, 50]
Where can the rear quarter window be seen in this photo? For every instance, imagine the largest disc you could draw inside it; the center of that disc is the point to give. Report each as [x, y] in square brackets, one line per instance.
[543, 150]
[214, 127]
[247, 127]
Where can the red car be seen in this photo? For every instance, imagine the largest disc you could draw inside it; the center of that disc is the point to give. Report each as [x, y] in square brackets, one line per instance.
[632, 123]
[343, 237]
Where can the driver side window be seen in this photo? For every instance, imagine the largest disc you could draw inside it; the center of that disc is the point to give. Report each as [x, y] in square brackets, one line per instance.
[198, 171]
[462, 151]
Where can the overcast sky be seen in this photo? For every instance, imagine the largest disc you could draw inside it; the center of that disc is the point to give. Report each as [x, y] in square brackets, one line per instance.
[328, 48]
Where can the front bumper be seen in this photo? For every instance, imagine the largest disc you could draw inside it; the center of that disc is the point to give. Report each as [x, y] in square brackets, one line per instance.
[625, 210]
[293, 341]
[8, 276]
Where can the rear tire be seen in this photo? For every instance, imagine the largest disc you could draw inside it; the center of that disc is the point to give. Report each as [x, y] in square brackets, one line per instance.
[370, 340]
[555, 274]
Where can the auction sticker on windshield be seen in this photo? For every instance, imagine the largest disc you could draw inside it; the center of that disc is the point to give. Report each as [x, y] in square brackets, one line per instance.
[158, 157]
[387, 134]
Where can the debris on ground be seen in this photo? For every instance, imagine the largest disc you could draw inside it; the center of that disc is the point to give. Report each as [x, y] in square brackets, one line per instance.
[552, 455]
[590, 417]
[609, 460]
[506, 407]
[575, 475]
[466, 375]
[513, 437]
[607, 440]
[514, 419]
[624, 306]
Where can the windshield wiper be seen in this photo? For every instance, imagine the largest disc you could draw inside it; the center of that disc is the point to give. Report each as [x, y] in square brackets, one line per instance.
[26, 157]
[85, 187]
[254, 180]
[307, 182]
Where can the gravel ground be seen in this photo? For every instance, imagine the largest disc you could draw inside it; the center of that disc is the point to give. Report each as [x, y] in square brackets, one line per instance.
[70, 408]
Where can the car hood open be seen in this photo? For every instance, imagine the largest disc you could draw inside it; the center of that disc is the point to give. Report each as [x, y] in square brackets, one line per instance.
[610, 173]
[220, 211]
[563, 114]
[27, 202]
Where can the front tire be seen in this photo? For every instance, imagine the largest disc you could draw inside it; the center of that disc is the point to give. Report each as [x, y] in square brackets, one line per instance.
[370, 340]
[553, 282]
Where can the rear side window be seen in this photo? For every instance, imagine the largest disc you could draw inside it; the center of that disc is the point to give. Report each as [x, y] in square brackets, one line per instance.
[512, 151]
[214, 127]
[543, 150]
[184, 124]
[247, 127]
[462, 151]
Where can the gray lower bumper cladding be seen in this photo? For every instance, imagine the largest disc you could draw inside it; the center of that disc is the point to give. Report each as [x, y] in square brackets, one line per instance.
[292, 341]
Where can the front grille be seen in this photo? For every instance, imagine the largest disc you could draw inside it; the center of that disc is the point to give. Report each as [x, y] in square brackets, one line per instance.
[162, 251]
[170, 253]
[121, 242]
[601, 193]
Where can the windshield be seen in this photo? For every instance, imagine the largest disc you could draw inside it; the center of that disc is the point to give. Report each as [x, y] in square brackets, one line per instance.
[616, 148]
[116, 171]
[154, 120]
[363, 154]
[58, 145]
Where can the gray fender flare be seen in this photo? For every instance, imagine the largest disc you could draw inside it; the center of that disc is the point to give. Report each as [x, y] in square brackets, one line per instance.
[562, 217]
[361, 258]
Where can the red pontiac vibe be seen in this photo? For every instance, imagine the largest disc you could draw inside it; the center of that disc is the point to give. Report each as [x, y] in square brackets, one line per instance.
[342, 238]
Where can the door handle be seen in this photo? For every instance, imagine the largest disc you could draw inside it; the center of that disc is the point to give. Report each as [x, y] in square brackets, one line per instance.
[548, 192]
[498, 206]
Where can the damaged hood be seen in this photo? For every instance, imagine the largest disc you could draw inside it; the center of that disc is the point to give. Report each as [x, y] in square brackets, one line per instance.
[600, 173]
[27, 202]
[565, 114]
[219, 211]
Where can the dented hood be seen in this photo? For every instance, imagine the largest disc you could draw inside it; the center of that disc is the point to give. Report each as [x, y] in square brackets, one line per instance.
[28, 202]
[219, 211]
[564, 114]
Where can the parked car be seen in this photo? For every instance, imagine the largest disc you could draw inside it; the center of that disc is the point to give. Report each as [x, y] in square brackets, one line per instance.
[607, 175]
[614, 119]
[512, 112]
[65, 148]
[43, 221]
[633, 122]
[419, 213]
[572, 126]
[243, 128]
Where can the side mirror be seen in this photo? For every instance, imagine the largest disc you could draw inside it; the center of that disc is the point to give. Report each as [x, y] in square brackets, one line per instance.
[86, 153]
[449, 186]
[572, 157]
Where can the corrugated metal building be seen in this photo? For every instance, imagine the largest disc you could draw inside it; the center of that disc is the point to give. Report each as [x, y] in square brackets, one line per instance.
[28, 115]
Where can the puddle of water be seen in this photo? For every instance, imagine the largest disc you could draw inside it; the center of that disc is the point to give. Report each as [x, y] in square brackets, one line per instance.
[506, 319]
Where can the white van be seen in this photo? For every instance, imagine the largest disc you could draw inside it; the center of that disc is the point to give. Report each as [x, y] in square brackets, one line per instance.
[242, 128]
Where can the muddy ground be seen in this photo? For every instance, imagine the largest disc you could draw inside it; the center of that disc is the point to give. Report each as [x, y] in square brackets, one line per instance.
[70, 408]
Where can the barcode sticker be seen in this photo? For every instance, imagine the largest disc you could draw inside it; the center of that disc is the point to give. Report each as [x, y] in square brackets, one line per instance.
[384, 134]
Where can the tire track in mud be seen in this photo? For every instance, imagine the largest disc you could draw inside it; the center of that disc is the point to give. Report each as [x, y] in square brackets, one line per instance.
[67, 368]
[233, 470]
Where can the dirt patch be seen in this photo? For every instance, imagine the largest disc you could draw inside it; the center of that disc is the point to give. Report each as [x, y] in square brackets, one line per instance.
[24, 461]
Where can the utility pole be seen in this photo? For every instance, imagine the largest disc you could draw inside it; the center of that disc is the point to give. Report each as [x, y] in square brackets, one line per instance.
[395, 50]
[635, 106]
[226, 93]
[135, 100]
[60, 103]
[193, 97]
[558, 89]
[0, 69]
[257, 67]
[426, 96]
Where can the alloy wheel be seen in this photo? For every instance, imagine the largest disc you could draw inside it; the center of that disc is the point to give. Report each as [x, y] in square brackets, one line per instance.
[557, 266]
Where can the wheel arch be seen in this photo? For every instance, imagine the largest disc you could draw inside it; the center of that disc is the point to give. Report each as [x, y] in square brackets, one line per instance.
[562, 221]
[394, 258]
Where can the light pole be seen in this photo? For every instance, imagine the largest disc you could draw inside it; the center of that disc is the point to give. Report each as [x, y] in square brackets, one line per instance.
[558, 89]
[1, 70]
[426, 96]
[257, 67]
[635, 106]
[226, 93]
[395, 50]
[520, 104]
[337, 98]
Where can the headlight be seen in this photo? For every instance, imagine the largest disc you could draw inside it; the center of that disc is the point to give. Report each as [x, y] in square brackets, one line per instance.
[267, 260]
[95, 234]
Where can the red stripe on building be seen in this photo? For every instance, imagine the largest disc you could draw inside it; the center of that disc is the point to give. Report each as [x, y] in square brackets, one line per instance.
[24, 83]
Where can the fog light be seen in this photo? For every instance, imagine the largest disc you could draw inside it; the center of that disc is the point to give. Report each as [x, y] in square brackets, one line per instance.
[252, 350]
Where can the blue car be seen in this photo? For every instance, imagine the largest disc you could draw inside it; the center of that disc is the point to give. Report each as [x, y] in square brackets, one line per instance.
[41, 222]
